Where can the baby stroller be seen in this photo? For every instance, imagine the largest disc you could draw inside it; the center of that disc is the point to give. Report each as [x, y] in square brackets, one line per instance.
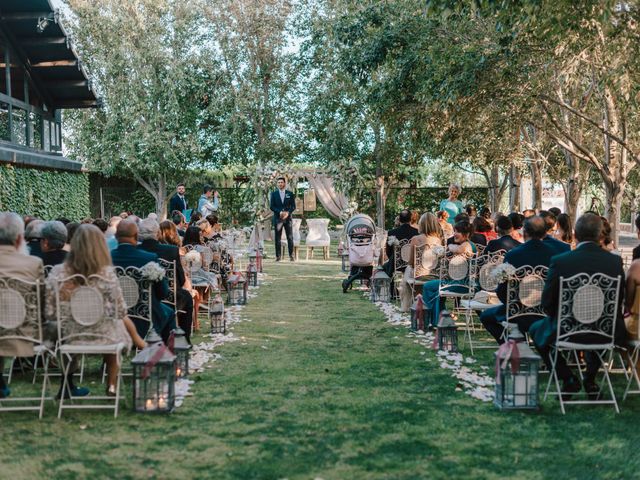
[362, 248]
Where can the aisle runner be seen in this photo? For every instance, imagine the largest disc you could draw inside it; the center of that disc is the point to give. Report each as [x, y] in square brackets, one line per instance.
[478, 385]
[202, 354]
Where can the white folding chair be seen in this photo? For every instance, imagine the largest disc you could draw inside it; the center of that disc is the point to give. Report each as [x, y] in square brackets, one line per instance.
[136, 291]
[21, 320]
[426, 267]
[170, 273]
[485, 287]
[458, 282]
[86, 326]
[587, 314]
[524, 295]
[401, 257]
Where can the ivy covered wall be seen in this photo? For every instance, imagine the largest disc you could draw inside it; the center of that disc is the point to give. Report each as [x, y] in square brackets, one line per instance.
[46, 194]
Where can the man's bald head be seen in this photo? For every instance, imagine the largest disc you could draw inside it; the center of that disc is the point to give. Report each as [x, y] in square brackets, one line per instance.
[534, 228]
[127, 232]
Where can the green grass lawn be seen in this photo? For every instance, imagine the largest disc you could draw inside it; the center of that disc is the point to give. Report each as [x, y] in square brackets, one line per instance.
[322, 387]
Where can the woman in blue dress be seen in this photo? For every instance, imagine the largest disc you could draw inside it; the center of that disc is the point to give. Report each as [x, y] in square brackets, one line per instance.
[452, 205]
[431, 290]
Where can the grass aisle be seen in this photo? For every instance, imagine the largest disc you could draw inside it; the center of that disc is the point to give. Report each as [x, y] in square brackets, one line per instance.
[321, 386]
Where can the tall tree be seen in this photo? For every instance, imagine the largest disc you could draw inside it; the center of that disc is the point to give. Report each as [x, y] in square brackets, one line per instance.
[151, 79]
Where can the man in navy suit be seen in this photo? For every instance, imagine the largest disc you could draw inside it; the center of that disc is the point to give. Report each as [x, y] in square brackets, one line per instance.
[282, 204]
[590, 258]
[178, 202]
[550, 222]
[533, 252]
[505, 242]
[148, 231]
[127, 254]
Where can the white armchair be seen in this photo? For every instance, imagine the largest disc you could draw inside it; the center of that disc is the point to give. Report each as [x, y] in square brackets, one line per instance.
[318, 236]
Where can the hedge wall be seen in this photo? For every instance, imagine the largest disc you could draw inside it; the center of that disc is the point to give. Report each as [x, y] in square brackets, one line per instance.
[46, 194]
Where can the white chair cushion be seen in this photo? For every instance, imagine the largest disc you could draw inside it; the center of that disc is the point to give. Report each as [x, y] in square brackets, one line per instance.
[318, 235]
[91, 349]
[475, 305]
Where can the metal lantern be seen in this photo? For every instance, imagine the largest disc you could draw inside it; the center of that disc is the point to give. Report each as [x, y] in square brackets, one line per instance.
[417, 314]
[252, 274]
[236, 289]
[152, 337]
[516, 374]
[181, 351]
[216, 317]
[447, 332]
[380, 286]
[259, 257]
[154, 378]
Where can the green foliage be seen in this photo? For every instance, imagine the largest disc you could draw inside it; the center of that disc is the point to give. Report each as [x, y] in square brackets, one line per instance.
[45, 194]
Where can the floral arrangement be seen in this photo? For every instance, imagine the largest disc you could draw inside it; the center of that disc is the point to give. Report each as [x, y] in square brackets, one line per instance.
[438, 250]
[393, 241]
[502, 272]
[193, 260]
[152, 272]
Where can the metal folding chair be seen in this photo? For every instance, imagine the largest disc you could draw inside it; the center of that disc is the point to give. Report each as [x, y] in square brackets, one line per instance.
[21, 320]
[587, 314]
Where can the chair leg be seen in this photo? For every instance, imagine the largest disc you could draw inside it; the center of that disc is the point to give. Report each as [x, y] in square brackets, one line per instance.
[11, 365]
[118, 382]
[633, 374]
[45, 384]
[65, 367]
[607, 378]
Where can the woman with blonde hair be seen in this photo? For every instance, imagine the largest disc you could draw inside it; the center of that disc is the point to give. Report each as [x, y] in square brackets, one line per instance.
[430, 234]
[90, 258]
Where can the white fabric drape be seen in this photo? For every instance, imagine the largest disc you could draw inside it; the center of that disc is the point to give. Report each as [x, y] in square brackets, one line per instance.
[335, 203]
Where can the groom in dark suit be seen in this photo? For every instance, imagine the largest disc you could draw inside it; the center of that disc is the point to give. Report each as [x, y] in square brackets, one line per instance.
[282, 204]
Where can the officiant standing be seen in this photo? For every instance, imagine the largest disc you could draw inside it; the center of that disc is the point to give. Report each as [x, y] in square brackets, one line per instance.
[282, 204]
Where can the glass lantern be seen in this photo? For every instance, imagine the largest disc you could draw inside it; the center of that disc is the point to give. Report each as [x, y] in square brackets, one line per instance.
[252, 274]
[236, 289]
[516, 380]
[216, 317]
[447, 332]
[380, 286]
[154, 377]
[181, 351]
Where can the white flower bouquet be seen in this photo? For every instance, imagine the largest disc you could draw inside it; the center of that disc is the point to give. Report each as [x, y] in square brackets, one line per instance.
[502, 272]
[393, 241]
[152, 272]
[193, 260]
[438, 250]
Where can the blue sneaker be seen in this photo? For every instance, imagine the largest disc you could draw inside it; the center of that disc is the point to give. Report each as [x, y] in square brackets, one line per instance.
[5, 391]
[75, 392]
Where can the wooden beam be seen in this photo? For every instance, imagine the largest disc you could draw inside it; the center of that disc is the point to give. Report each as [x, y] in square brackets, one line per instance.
[77, 104]
[40, 41]
[20, 16]
[56, 63]
[67, 83]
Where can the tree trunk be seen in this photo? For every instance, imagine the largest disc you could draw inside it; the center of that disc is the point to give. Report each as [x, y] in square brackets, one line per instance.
[536, 184]
[158, 191]
[614, 191]
[496, 187]
[515, 177]
[380, 194]
[572, 192]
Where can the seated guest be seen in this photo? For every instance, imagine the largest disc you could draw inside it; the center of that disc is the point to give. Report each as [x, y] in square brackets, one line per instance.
[431, 289]
[15, 262]
[606, 238]
[555, 211]
[404, 232]
[199, 276]
[564, 229]
[517, 220]
[415, 217]
[149, 233]
[482, 228]
[179, 221]
[590, 258]
[636, 250]
[110, 234]
[71, 230]
[443, 220]
[32, 235]
[632, 299]
[431, 235]
[215, 225]
[54, 237]
[485, 212]
[127, 254]
[89, 256]
[506, 241]
[195, 218]
[550, 221]
[533, 252]
[102, 224]
[206, 229]
[528, 212]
